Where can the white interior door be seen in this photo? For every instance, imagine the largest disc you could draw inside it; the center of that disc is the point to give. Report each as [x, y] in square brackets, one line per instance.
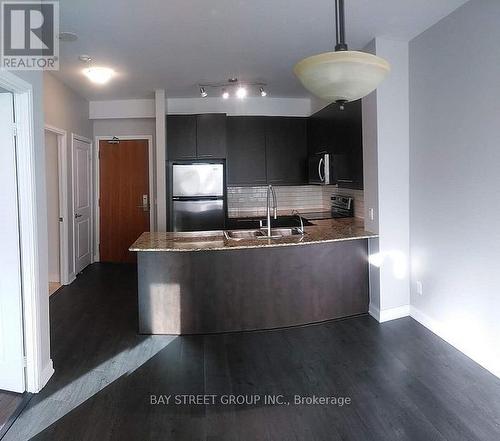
[11, 321]
[82, 216]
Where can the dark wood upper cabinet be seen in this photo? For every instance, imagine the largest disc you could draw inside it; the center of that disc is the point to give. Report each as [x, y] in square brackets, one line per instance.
[181, 137]
[211, 135]
[274, 150]
[339, 133]
[196, 136]
[286, 150]
[246, 150]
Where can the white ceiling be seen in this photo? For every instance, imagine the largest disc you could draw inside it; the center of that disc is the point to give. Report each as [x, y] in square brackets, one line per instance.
[176, 44]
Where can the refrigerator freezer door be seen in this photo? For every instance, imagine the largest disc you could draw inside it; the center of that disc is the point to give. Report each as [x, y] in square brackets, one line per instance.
[198, 215]
[192, 180]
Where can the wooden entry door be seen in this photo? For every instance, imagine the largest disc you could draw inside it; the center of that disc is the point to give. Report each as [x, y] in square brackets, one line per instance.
[124, 202]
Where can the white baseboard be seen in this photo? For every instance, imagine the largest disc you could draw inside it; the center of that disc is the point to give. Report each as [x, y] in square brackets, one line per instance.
[374, 312]
[71, 278]
[47, 372]
[449, 336]
[387, 315]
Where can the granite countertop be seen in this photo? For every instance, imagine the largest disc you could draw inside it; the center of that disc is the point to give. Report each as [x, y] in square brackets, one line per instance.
[324, 231]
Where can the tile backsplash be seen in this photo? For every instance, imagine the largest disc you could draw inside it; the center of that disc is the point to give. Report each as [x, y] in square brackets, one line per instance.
[252, 201]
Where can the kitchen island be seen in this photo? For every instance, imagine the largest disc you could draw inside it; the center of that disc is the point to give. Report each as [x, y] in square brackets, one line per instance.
[207, 282]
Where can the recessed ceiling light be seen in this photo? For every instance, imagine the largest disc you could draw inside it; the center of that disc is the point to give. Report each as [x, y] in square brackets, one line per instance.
[203, 92]
[68, 36]
[225, 94]
[98, 75]
[263, 93]
[241, 92]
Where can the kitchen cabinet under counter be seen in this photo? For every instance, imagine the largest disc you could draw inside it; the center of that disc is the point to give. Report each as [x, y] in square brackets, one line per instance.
[204, 282]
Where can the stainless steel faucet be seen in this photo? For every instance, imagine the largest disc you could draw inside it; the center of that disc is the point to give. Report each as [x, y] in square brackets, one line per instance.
[270, 191]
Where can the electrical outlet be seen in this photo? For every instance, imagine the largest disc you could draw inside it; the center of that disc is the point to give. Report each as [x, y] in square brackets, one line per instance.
[371, 213]
[420, 288]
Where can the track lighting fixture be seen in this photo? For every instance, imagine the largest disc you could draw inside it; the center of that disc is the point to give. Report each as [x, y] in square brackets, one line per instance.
[234, 88]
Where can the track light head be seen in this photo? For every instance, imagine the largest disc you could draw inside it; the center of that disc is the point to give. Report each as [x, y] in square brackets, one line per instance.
[241, 92]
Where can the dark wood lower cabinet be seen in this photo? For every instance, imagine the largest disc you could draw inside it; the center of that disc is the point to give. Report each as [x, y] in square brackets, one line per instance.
[250, 289]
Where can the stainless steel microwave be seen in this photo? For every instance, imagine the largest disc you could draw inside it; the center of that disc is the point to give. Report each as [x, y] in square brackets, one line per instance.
[321, 171]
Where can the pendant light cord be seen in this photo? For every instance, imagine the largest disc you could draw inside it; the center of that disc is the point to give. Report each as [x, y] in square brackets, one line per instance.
[340, 26]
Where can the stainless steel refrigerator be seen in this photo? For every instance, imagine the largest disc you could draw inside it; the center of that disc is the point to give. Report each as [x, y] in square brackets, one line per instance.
[198, 196]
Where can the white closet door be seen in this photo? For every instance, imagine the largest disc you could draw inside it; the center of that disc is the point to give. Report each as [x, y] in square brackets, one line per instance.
[12, 376]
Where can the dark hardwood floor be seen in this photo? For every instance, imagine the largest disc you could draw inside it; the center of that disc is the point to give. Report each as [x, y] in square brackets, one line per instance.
[11, 404]
[404, 382]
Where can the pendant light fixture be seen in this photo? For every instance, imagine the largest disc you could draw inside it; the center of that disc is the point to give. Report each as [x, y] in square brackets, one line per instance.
[343, 75]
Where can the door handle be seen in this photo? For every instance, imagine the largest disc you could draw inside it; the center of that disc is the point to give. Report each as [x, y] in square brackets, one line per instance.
[78, 215]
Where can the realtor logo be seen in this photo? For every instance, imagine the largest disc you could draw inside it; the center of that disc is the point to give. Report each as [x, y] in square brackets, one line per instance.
[30, 35]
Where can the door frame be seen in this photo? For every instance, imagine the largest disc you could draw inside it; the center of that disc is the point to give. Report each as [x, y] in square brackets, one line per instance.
[75, 137]
[152, 199]
[62, 167]
[34, 315]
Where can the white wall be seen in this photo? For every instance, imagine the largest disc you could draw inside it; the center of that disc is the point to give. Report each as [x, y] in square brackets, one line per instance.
[269, 106]
[66, 110]
[386, 168]
[370, 154]
[455, 179]
[160, 196]
[122, 109]
[52, 185]
[124, 127]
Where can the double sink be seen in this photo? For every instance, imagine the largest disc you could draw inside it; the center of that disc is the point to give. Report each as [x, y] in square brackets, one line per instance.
[248, 229]
[276, 233]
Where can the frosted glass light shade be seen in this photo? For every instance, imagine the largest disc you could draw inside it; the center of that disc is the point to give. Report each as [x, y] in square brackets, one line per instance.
[342, 75]
[99, 75]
